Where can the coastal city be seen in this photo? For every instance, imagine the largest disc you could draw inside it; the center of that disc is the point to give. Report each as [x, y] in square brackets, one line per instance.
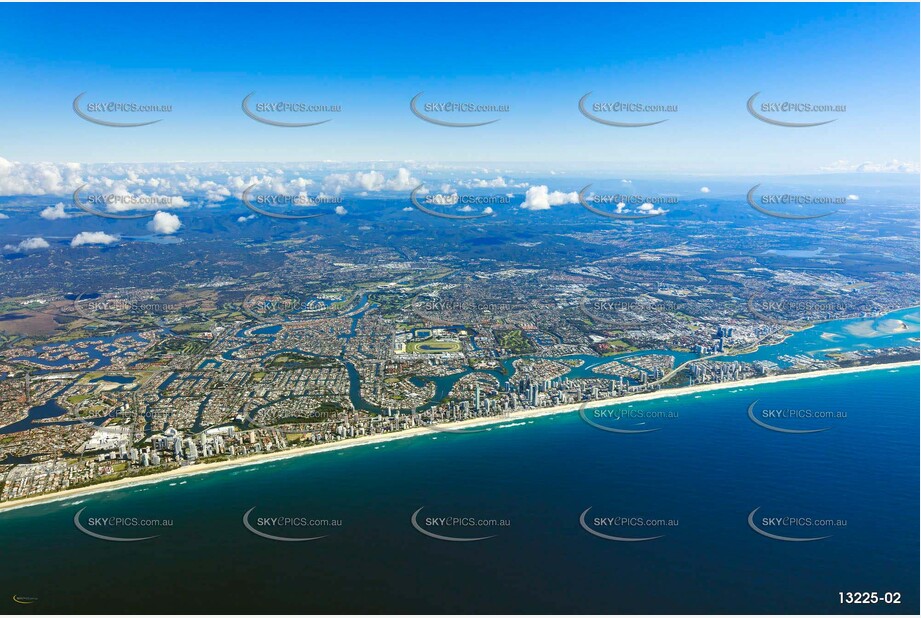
[462, 308]
[132, 381]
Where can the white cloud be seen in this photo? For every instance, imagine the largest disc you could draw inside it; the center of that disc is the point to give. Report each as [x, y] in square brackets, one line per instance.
[488, 210]
[539, 198]
[889, 167]
[372, 181]
[29, 244]
[53, 213]
[403, 181]
[169, 185]
[499, 182]
[853, 197]
[650, 209]
[93, 238]
[705, 189]
[245, 219]
[38, 178]
[496, 183]
[340, 210]
[164, 223]
[3, 216]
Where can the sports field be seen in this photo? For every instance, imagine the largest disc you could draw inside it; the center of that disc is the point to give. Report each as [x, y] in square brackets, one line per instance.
[432, 346]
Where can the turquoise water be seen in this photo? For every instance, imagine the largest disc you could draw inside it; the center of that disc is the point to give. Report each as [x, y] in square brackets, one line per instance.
[849, 335]
[705, 469]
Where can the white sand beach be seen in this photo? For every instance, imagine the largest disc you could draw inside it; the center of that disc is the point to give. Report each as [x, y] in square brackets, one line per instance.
[206, 468]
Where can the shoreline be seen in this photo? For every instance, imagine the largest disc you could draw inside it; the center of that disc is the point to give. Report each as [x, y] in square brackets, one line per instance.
[197, 469]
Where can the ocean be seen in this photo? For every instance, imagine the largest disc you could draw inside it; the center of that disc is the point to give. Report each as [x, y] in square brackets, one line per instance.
[689, 477]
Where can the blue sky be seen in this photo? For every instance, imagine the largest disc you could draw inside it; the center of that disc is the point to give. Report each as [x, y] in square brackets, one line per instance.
[538, 59]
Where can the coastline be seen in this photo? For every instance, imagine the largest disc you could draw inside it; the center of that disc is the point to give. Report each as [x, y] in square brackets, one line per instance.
[197, 469]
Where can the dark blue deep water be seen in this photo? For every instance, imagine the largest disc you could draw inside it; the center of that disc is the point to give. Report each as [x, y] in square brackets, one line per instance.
[704, 471]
